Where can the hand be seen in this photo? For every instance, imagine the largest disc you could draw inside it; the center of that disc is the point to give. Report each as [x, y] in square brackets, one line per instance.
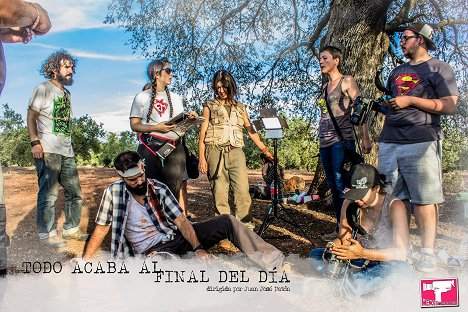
[164, 127]
[400, 102]
[268, 154]
[366, 145]
[37, 151]
[15, 35]
[76, 261]
[349, 252]
[202, 255]
[192, 115]
[202, 165]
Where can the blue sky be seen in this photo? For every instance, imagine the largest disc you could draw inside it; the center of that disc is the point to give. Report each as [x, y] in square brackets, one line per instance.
[108, 74]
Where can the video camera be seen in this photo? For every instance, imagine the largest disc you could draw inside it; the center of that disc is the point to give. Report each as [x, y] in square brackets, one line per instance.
[337, 268]
[363, 107]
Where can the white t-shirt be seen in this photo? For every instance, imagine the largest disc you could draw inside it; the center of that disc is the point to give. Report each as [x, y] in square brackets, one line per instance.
[161, 110]
[53, 122]
[139, 229]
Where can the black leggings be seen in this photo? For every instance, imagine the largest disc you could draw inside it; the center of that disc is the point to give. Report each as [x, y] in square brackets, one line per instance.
[170, 171]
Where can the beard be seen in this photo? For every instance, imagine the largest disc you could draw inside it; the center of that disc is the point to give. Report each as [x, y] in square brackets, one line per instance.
[139, 189]
[66, 81]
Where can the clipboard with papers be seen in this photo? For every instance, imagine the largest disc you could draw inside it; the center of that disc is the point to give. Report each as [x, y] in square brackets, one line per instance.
[182, 123]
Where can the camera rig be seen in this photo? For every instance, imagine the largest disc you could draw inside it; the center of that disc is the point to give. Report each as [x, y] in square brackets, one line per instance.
[337, 269]
[364, 109]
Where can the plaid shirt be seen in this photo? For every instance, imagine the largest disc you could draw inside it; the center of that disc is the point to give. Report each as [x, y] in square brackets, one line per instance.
[161, 206]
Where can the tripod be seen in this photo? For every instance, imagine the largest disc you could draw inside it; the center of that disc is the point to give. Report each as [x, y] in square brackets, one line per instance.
[272, 214]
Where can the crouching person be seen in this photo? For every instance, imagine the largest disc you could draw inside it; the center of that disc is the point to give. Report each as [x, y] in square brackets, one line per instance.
[146, 218]
[376, 257]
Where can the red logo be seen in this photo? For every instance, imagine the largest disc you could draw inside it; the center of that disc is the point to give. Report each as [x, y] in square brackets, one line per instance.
[439, 292]
[406, 82]
[160, 106]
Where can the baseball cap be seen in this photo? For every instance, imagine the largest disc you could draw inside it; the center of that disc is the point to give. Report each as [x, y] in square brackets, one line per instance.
[359, 180]
[423, 30]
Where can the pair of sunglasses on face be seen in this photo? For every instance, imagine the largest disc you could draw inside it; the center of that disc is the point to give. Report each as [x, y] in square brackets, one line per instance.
[168, 70]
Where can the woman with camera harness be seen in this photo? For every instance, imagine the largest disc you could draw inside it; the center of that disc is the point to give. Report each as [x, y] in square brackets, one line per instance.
[381, 250]
[335, 104]
[151, 110]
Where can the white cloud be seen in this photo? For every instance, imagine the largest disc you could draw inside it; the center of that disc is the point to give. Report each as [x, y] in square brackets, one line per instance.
[77, 14]
[116, 119]
[88, 54]
[101, 56]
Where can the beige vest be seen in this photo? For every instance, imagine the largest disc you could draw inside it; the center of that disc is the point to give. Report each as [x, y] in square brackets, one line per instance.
[224, 129]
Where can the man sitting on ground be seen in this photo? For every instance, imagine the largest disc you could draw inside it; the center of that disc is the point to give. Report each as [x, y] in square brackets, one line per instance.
[146, 218]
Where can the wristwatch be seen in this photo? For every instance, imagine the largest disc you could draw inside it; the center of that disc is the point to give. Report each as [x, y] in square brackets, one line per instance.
[35, 142]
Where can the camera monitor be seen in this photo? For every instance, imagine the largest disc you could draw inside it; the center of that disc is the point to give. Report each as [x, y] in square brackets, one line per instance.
[273, 124]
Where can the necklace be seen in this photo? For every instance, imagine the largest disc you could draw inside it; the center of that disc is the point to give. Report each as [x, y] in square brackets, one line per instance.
[333, 80]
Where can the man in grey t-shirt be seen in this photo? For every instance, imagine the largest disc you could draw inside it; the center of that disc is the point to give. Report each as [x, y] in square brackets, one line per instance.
[49, 117]
[410, 142]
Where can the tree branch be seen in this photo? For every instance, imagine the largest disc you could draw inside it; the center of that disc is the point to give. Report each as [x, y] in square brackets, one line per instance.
[296, 24]
[224, 19]
[450, 21]
[283, 52]
[320, 26]
[402, 17]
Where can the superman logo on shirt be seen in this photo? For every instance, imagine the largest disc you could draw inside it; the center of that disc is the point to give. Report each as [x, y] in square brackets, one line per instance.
[406, 82]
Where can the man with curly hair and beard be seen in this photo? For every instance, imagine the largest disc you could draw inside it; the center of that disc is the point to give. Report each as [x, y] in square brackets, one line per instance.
[49, 116]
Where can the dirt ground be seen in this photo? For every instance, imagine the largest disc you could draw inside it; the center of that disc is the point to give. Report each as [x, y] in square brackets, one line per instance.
[311, 221]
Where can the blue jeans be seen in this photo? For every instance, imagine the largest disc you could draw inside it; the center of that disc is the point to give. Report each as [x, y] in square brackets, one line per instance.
[333, 160]
[359, 282]
[53, 170]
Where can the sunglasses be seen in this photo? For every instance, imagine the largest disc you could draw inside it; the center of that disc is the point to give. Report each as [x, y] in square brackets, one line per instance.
[404, 38]
[168, 70]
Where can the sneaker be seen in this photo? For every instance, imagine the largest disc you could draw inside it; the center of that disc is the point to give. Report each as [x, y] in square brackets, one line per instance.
[330, 236]
[427, 263]
[78, 235]
[54, 242]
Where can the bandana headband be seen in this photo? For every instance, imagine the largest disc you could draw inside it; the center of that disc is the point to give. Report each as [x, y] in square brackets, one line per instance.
[132, 171]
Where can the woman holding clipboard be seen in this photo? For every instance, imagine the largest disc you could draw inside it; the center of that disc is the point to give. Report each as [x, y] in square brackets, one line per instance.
[151, 110]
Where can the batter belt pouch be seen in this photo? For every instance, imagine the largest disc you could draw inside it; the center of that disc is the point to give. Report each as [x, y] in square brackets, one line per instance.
[165, 150]
[158, 146]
